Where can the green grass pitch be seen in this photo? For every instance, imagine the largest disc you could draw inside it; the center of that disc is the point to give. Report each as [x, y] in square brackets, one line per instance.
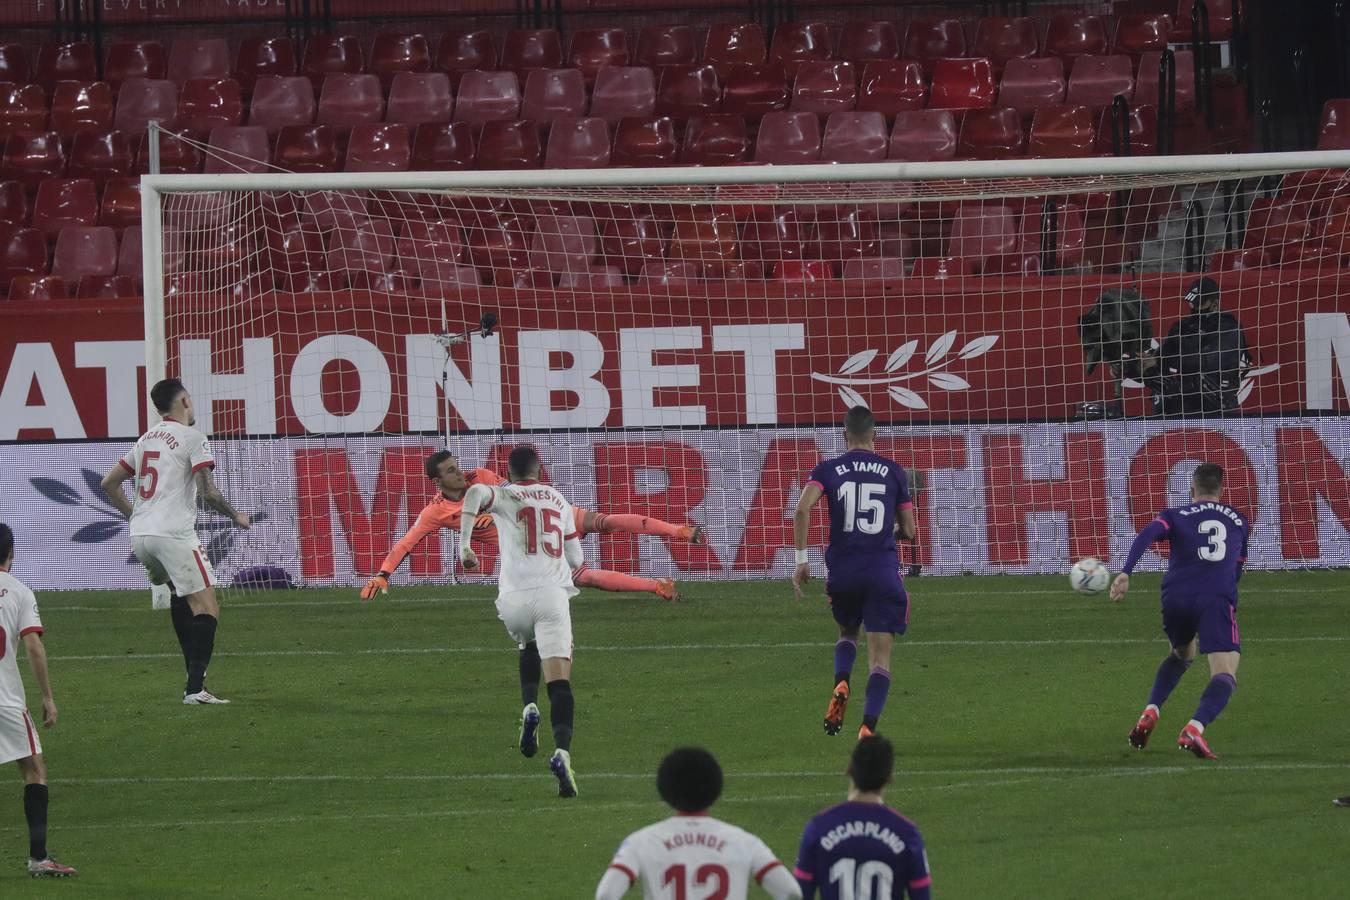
[369, 751]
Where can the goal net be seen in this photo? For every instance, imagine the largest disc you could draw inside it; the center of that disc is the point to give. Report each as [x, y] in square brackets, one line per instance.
[1034, 337]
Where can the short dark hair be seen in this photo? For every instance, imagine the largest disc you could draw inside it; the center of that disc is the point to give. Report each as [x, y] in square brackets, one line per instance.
[872, 762]
[1208, 478]
[434, 463]
[522, 461]
[165, 392]
[689, 779]
[859, 420]
[6, 543]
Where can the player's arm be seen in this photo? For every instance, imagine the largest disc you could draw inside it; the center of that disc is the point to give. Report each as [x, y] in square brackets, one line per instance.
[801, 528]
[112, 487]
[212, 497]
[427, 522]
[805, 869]
[477, 498]
[771, 874]
[1152, 533]
[573, 553]
[37, 661]
[621, 874]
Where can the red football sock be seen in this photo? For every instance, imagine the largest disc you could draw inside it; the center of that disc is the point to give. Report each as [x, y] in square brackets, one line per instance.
[615, 581]
[631, 524]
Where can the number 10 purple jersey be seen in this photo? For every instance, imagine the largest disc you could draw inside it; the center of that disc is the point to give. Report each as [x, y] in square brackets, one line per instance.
[863, 491]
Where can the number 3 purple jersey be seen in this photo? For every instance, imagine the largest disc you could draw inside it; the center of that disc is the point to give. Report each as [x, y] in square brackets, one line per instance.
[1208, 545]
[863, 491]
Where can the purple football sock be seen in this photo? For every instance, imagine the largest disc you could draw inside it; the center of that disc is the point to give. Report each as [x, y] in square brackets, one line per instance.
[1215, 698]
[1169, 675]
[878, 685]
[844, 653]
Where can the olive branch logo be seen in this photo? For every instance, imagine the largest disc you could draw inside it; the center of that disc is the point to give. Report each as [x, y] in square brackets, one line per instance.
[936, 361]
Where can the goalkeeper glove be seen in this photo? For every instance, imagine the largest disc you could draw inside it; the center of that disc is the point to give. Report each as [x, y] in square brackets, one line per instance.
[380, 583]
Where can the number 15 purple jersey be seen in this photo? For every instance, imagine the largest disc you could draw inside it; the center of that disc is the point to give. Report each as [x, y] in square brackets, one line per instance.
[864, 492]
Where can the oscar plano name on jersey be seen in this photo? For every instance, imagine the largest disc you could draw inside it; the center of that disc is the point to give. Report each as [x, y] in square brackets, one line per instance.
[859, 828]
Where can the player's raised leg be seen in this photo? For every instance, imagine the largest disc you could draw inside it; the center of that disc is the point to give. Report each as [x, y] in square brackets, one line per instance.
[845, 653]
[589, 522]
[605, 580]
[531, 669]
[1165, 681]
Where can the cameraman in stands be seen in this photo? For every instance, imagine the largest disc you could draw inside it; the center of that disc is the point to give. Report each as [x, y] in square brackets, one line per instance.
[1198, 369]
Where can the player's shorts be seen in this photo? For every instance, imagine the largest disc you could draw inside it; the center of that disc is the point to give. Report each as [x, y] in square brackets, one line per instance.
[880, 603]
[179, 562]
[18, 735]
[543, 615]
[1210, 617]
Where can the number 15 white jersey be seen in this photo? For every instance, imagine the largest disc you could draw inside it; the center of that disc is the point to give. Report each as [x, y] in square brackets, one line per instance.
[163, 465]
[535, 524]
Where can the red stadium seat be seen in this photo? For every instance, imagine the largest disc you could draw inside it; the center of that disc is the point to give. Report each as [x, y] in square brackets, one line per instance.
[142, 101]
[1220, 20]
[441, 146]
[1274, 226]
[825, 87]
[66, 62]
[1097, 80]
[366, 246]
[753, 90]
[848, 234]
[207, 103]
[962, 84]
[855, 137]
[129, 254]
[715, 141]
[882, 268]
[789, 138]
[23, 251]
[774, 235]
[1138, 33]
[393, 53]
[706, 236]
[207, 58]
[1063, 131]
[578, 144]
[417, 97]
[294, 251]
[430, 251]
[47, 287]
[463, 51]
[1001, 39]
[1029, 83]
[865, 41]
[121, 206]
[14, 66]
[1141, 128]
[509, 144]
[13, 204]
[1146, 85]
[591, 49]
[1237, 260]
[804, 270]
[923, 135]
[641, 142]
[929, 40]
[665, 274]
[1334, 131]
[133, 59]
[623, 91]
[554, 94]
[263, 56]
[666, 45]
[77, 108]
[991, 134]
[687, 91]
[63, 202]
[526, 49]
[797, 42]
[107, 287]
[498, 240]
[981, 231]
[633, 240]
[1071, 36]
[23, 107]
[33, 157]
[331, 54]
[348, 100]
[238, 150]
[100, 156]
[597, 278]
[892, 86]
[307, 148]
[942, 267]
[378, 148]
[729, 45]
[280, 100]
[484, 96]
[564, 244]
[82, 251]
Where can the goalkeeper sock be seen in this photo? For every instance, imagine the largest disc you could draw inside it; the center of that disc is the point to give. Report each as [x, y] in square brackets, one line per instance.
[530, 670]
[632, 524]
[616, 581]
[35, 811]
[181, 614]
[561, 707]
[203, 639]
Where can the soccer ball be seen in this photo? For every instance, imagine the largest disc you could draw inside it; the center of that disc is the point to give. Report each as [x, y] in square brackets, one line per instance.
[1089, 576]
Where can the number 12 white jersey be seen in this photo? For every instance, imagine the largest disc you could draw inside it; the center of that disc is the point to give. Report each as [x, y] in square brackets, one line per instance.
[694, 856]
[535, 524]
[163, 464]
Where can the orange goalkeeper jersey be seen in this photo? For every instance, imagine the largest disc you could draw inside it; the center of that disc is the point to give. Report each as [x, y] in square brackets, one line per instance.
[443, 512]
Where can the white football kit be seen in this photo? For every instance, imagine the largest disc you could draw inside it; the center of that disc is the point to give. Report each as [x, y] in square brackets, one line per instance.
[164, 464]
[696, 856]
[18, 617]
[539, 551]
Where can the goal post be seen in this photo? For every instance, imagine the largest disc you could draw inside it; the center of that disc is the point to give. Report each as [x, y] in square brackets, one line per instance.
[682, 343]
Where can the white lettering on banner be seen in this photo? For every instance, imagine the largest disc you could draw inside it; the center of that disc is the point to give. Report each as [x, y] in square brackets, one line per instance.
[1326, 337]
[640, 376]
[760, 344]
[539, 381]
[477, 399]
[255, 385]
[373, 385]
[37, 362]
[121, 362]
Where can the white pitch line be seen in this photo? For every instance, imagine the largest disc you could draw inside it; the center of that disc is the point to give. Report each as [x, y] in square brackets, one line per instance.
[628, 648]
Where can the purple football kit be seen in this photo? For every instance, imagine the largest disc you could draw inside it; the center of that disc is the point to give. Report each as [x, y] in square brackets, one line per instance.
[862, 850]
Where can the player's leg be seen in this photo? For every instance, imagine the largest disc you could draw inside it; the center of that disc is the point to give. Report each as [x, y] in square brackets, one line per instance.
[846, 608]
[179, 611]
[531, 670]
[1181, 625]
[553, 633]
[35, 797]
[589, 522]
[194, 580]
[1220, 641]
[605, 580]
[879, 645]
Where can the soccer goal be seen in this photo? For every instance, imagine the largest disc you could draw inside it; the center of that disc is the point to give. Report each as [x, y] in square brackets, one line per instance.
[1033, 336]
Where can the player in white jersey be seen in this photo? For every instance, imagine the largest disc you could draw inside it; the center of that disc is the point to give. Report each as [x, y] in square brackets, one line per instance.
[539, 551]
[20, 625]
[691, 854]
[171, 466]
